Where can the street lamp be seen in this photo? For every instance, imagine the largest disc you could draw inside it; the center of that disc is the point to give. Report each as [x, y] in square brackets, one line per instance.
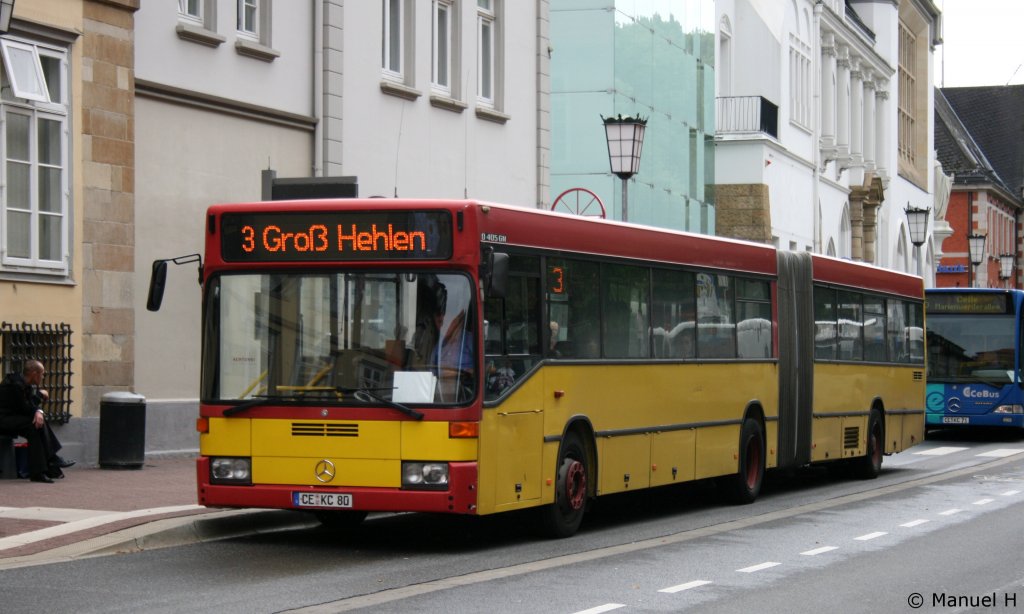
[625, 141]
[1006, 266]
[976, 243]
[918, 220]
[6, 12]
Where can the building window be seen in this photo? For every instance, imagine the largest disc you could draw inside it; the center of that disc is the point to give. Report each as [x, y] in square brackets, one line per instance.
[488, 46]
[191, 9]
[253, 27]
[249, 18]
[443, 22]
[197, 22]
[799, 82]
[724, 68]
[393, 46]
[907, 85]
[35, 144]
[913, 119]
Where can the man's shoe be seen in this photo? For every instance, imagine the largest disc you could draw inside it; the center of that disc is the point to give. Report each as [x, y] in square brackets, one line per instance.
[55, 473]
[64, 463]
[41, 478]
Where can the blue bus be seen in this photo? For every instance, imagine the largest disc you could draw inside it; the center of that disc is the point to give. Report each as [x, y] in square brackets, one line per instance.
[974, 357]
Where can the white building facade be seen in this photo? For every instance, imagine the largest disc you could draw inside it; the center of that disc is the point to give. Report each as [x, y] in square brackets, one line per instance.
[409, 98]
[824, 133]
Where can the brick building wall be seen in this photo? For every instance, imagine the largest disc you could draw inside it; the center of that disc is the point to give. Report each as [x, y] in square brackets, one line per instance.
[743, 211]
[108, 206]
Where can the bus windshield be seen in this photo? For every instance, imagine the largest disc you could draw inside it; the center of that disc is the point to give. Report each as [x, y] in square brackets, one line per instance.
[403, 337]
[971, 348]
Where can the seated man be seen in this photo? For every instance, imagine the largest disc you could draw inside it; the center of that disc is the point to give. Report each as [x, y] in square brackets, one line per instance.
[20, 414]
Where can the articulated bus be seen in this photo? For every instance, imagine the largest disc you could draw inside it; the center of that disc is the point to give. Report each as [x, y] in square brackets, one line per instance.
[974, 357]
[473, 358]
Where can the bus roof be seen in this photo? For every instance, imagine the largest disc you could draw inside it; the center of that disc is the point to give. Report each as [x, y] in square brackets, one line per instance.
[865, 276]
[502, 224]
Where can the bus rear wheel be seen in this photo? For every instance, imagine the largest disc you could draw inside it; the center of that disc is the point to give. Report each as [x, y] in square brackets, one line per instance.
[744, 486]
[868, 466]
[563, 517]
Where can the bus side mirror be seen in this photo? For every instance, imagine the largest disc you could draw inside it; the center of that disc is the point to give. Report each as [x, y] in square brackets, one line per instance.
[157, 281]
[497, 274]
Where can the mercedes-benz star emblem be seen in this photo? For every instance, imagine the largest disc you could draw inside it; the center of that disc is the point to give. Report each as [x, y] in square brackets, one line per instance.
[953, 405]
[324, 471]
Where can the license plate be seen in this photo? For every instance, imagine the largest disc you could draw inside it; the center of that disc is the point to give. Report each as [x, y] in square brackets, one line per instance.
[956, 420]
[321, 499]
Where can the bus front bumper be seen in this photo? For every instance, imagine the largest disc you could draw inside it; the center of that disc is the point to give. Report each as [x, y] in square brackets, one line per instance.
[458, 498]
[992, 419]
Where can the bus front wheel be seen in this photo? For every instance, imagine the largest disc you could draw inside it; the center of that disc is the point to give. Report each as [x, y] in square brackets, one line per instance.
[744, 486]
[563, 517]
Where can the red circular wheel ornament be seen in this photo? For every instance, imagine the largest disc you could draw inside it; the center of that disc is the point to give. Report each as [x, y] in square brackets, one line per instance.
[579, 201]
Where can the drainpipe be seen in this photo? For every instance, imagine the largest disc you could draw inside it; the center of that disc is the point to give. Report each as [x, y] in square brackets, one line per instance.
[318, 88]
[816, 131]
[970, 231]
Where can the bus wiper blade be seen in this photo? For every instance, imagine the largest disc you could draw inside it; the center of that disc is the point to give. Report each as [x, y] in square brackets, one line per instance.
[254, 402]
[367, 395]
[237, 409]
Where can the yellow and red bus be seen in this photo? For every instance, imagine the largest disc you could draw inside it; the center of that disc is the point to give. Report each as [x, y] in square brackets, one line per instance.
[474, 358]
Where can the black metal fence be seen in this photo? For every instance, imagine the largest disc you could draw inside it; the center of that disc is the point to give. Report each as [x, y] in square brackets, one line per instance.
[50, 344]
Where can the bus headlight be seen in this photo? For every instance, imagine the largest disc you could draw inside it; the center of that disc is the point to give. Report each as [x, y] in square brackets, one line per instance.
[231, 471]
[1009, 409]
[425, 475]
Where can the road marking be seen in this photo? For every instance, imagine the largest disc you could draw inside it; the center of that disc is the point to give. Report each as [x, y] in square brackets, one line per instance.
[31, 537]
[1001, 452]
[1009, 493]
[940, 451]
[876, 534]
[608, 607]
[818, 551]
[758, 567]
[388, 596]
[684, 587]
[914, 523]
[983, 501]
[950, 512]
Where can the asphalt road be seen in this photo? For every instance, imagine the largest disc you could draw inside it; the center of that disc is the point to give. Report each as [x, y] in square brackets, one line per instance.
[941, 524]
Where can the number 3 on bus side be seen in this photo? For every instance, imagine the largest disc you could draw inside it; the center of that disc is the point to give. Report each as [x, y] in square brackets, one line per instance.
[557, 281]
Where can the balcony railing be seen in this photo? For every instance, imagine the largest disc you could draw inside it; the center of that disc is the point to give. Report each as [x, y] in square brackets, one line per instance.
[746, 115]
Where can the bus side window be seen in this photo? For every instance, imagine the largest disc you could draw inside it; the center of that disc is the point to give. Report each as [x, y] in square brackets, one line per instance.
[512, 341]
[675, 314]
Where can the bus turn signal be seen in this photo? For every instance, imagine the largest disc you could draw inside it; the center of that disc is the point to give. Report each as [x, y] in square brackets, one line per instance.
[463, 430]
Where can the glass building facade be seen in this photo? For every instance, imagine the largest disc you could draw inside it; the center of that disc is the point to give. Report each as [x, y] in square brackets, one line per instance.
[651, 58]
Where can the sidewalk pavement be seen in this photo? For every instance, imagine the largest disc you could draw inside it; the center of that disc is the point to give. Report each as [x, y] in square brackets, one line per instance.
[104, 511]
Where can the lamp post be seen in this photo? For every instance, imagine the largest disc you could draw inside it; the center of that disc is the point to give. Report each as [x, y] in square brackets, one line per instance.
[976, 243]
[917, 219]
[625, 141]
[1006, 266]
[6, 12]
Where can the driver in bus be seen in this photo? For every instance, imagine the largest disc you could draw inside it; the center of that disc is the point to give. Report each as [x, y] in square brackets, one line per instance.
[444, 342]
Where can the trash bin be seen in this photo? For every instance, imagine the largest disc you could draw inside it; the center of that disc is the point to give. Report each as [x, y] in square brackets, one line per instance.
[122, 430]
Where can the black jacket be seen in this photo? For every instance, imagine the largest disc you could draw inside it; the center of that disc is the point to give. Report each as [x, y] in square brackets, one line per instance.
[17, 397]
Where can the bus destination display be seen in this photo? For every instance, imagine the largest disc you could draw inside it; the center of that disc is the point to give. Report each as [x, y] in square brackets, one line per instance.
[308, 236]
[968, 303]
